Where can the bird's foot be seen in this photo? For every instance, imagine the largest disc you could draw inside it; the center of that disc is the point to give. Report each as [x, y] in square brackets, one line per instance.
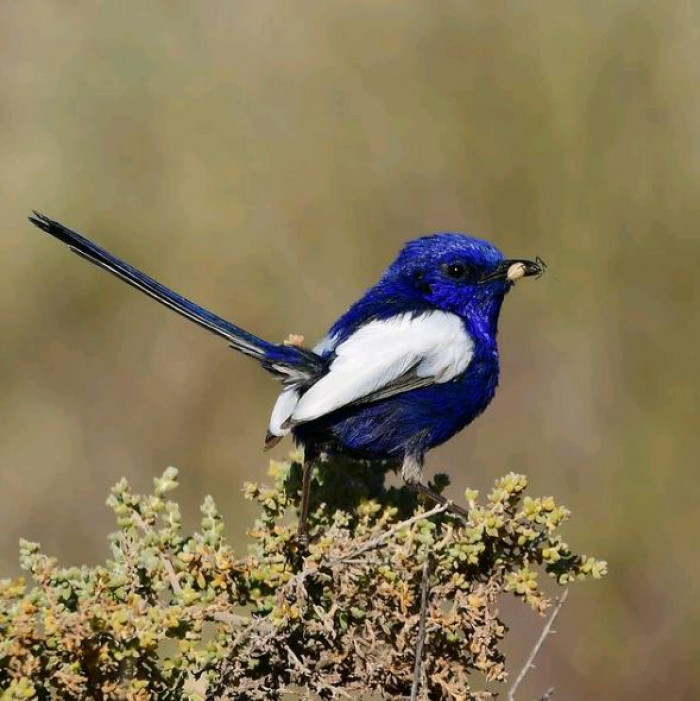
[437, 498]
[412, 473]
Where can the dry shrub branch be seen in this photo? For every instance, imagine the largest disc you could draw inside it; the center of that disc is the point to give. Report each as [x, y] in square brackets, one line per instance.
[176, 616]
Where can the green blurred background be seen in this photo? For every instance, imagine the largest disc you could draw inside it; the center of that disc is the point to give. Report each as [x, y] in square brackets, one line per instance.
[268, 159]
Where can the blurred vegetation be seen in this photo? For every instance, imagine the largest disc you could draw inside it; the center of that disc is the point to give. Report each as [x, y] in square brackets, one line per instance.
[338, 622]
[269, 161]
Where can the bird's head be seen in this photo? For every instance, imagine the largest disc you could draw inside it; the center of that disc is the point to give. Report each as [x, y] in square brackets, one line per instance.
[458, 273]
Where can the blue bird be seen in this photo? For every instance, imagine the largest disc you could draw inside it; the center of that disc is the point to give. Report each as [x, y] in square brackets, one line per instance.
[410, 364]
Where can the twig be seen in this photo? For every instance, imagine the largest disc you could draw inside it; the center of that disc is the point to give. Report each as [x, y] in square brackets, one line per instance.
[387, 535]
[231, 619]
[305, 671]
[167, 565]
[298, 663]
[261, 625]
[421, 629]
[369, 545]
[540, 641]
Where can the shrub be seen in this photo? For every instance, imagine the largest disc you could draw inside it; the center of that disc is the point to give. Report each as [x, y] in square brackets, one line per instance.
[175, 616]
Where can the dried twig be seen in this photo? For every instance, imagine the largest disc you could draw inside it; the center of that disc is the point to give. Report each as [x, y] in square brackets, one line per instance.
[387, 535]
[305, 671]
[231, 619]
[547, 630]
[167, 565]
[421, 629]
[369, 545]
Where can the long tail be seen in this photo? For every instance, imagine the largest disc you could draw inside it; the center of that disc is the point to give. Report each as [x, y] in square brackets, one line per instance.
[291, 364]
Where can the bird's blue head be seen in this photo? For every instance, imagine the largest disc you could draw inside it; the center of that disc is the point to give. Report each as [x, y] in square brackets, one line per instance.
[457, 273]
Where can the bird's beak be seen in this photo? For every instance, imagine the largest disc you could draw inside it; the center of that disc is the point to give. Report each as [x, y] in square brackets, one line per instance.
[516, 268]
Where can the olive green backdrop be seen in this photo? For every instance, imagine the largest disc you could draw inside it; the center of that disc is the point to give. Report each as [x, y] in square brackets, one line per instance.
[268, 159]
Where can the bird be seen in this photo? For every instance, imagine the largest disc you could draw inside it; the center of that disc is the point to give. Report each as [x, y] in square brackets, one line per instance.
[411, 363]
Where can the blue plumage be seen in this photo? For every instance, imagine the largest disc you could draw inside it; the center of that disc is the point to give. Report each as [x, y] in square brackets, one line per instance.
[428, 416]
[411, 363]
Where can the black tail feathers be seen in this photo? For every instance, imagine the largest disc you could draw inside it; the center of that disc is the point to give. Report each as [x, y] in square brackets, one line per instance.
[290, 364]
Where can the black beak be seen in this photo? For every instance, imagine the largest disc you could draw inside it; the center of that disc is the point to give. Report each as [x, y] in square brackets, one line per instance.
[521, 266]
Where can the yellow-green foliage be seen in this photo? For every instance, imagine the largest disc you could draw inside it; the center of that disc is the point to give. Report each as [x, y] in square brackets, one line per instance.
[175, 616]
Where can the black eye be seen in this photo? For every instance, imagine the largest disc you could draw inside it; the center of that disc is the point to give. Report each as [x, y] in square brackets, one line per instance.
[456, 271]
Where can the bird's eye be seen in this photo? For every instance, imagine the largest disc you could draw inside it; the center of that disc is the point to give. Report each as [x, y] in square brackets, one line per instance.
[456, 271]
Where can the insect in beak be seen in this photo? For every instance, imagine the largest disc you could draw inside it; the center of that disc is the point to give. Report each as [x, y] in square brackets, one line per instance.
[515, 269]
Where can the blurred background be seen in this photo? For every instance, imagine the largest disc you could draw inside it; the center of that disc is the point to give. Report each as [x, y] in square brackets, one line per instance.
[268, 159]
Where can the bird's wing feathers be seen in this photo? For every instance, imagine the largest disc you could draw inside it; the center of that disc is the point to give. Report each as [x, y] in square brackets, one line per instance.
[284, 406]
[387, 357]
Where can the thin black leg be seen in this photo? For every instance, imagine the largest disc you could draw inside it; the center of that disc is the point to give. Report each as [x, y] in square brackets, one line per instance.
[303, 532]
[311, 455]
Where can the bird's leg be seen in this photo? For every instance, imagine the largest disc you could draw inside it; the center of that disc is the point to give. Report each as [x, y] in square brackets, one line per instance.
[412, 474]
[302, 531]
[307, 467]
